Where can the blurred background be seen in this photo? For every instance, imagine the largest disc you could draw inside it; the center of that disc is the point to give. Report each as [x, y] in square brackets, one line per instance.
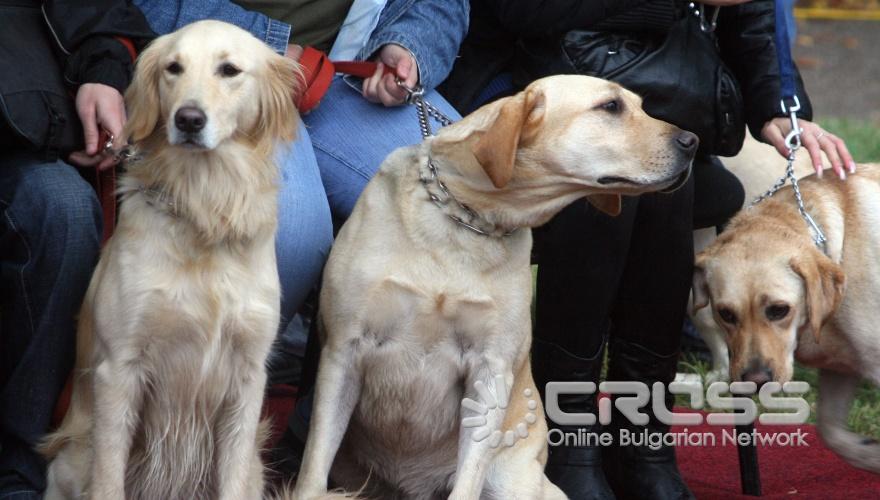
[837, 48]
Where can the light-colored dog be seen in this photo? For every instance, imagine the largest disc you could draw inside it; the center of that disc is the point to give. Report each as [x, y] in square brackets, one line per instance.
[419, 311]
[780, 298]
[184, 304]
[757, 166]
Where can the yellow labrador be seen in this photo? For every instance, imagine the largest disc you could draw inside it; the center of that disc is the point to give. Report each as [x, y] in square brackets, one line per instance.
[425, 387]
[757, 166]
[183, 307]
[780, 298]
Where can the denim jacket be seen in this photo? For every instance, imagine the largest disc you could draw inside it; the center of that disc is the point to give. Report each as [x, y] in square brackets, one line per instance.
[431, 29]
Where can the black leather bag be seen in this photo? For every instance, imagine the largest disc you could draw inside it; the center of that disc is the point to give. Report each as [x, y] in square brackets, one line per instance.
[37, 111]
[680, 76]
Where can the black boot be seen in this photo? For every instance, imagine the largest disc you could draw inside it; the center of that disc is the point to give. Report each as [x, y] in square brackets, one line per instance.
[638, 472]
[576, 470]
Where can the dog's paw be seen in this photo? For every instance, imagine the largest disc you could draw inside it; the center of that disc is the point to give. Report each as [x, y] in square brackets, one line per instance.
[867, 454]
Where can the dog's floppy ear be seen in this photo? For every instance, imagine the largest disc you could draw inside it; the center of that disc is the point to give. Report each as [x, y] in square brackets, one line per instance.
[700, 287]
[606, 203]
[515, 124]
[278, 114]
[824, 284]
[142, 96]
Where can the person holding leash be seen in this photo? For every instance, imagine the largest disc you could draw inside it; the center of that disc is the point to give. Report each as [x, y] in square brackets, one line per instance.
[64, 68]
[625, 280]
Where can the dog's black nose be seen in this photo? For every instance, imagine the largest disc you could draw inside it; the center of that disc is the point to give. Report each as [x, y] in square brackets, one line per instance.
[190, 119]
[759, 375]
[687, 141]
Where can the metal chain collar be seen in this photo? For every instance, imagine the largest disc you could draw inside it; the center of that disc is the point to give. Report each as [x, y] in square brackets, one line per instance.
[793, 141]
[424, 109]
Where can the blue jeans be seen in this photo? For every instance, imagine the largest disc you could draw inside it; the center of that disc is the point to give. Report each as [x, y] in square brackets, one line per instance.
[50, 235]
[352, 137]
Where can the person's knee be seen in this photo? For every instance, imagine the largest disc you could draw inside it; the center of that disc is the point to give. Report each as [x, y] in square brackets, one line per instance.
[65, 216]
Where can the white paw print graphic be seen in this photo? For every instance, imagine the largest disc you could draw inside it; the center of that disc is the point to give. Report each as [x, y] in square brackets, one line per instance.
[497, 402]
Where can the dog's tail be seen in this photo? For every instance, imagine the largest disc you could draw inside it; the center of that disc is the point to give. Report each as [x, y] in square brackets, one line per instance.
[77, 422]
[286, 493]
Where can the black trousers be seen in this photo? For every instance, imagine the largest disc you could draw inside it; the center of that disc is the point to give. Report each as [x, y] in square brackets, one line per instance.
[628, 276]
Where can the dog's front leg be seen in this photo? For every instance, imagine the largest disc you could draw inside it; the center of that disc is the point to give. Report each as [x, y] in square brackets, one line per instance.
[488, 386]
[337, 390]
[237, 445]
[836, 394]
[117, 397]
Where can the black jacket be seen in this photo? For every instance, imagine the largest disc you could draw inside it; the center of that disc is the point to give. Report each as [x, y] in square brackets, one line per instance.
[47, 50]
[745, 38]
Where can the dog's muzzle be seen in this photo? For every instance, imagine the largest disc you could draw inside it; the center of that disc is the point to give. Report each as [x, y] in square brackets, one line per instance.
[680, 181]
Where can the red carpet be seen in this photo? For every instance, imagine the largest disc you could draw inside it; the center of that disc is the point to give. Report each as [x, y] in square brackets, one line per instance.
[804, 472]
[712, 472]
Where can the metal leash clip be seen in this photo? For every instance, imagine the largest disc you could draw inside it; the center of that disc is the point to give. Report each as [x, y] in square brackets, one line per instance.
[412, 93]
[793, 139]
[793, 142]
[124, 154]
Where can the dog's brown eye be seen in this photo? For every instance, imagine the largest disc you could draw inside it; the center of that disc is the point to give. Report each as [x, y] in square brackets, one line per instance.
[612, 106]
[174, 68]
[777, 312]
[229, 70]
[727, 316]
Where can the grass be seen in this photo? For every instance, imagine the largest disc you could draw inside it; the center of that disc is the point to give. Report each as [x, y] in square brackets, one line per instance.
[864, 417]
[862, 138]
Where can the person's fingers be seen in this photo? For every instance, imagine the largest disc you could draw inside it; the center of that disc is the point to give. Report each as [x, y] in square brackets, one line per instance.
[844, 153]
[371, 84]
[774, 136]
[390, 92]
[412, 74]
[830, 148]
[405, 70]
[107, 162]
[82, 159]
[88, 117]
[812, 146]
[112, 120]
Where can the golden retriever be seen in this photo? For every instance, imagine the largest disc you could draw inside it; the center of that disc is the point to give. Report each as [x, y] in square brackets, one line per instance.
[184, 304]
[780, 298]
[424, 387]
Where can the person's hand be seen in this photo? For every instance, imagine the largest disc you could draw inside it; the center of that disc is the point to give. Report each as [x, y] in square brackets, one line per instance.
[294, 51]
[100, 108]
[383, 88]
[723, 3]
[815, 140]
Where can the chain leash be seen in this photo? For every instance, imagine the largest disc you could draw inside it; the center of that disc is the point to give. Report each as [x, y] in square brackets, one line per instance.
[425, 110]
[793, 141]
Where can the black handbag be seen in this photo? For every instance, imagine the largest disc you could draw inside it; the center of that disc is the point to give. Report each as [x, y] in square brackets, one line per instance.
[37, 111]
[679, 75]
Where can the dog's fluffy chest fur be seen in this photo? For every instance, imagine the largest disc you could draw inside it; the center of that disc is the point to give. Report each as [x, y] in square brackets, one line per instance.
[195, 323]
[423, 320]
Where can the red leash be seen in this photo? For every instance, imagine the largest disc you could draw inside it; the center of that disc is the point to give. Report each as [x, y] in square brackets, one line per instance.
[318, 72]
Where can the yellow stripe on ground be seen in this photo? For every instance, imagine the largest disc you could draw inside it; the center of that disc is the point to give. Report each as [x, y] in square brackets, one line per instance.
[837, 14]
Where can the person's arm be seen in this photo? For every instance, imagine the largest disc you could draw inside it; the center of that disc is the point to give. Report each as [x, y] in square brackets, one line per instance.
[99, 43]
[166, 16]
[745, 37]
[430, 30]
